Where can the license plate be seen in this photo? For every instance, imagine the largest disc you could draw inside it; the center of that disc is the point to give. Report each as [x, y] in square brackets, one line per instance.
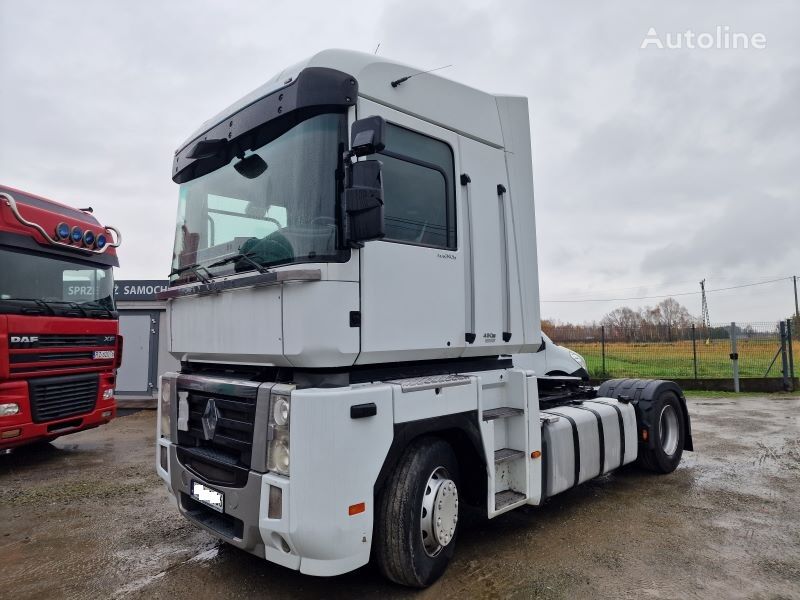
[103, 354]
[211, 498]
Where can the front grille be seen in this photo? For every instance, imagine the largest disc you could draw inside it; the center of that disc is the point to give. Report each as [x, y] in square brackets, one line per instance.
[58, 351]
[59, 397]
[66, 341]
[233, 435]
[63, 341]
[44, 356]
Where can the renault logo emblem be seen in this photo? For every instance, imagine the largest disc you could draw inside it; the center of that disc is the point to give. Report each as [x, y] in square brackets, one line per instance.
[210, 418]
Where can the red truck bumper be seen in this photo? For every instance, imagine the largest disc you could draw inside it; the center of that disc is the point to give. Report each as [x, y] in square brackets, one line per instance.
[19, 429]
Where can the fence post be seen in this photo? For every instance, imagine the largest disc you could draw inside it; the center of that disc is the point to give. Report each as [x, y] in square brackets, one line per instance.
[784, 358]
[694, 351]
[734, 358]
[603, 346]
[791, 352]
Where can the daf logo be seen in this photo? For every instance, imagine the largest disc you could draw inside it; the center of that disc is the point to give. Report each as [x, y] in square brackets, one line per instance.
[210, 418]
[24, 339]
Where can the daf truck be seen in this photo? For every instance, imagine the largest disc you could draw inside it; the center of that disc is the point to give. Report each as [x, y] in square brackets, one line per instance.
[354, 279]
[59, 334]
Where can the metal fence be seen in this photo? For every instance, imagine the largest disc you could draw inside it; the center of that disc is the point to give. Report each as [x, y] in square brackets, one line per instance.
[764, 349]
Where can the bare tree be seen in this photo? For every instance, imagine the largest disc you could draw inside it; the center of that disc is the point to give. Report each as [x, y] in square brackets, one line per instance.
[673, 314]
[624, 320]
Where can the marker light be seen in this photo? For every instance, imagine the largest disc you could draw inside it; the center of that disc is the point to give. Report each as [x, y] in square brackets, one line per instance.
[100, 241]
[356, 509]
[62, 231]
[88, 238]
[76, 235]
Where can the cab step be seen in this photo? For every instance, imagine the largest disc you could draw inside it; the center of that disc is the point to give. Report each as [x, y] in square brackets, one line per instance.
[507, 498]
[501, 413]
[505, 454]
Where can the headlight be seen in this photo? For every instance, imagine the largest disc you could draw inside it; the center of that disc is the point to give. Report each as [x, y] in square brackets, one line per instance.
[280, 411]
[164, 406]
[6, 410]
[278, 447]
[578, 358]
[108, 394]
[278, 459]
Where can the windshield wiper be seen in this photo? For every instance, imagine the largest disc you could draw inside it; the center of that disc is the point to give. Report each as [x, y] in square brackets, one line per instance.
[44, 304]
[38, 301]
[241, 255]
[195, 269]
[100, 305]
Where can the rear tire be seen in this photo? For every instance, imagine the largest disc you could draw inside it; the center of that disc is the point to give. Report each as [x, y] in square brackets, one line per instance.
[667, 434]
[416, 520]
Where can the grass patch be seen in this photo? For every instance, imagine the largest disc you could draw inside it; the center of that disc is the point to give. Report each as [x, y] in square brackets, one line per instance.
[676, 359]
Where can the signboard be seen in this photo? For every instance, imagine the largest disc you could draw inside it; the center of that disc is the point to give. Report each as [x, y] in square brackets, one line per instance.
[78, 290]
[138, 289]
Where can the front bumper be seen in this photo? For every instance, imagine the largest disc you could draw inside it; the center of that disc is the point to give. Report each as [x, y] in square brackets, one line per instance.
[335, 462]
[582, 373]
[30, 432]
[244, 523]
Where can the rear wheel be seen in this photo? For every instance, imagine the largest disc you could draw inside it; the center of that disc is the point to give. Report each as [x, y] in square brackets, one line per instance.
[667, 434]
[417, 518]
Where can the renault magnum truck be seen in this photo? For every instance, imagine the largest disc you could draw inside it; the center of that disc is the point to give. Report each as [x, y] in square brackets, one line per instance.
[59, 339]
[354, 267]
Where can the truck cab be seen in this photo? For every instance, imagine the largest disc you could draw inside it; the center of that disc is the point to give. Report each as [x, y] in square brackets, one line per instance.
[354, 272]
[59, 338]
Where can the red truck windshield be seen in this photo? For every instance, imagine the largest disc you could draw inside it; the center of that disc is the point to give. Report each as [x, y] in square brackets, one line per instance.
[53, 285]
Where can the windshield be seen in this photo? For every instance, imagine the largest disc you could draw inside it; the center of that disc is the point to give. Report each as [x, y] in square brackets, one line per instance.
[59, 283]
[275, 205]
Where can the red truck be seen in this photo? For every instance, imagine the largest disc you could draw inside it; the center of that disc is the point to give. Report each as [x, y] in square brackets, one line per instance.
[59, 331]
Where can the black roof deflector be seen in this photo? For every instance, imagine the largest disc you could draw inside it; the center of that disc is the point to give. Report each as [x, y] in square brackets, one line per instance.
[315, 90]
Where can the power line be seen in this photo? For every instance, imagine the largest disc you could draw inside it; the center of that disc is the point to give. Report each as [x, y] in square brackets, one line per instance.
[722, 289]
[647, 286]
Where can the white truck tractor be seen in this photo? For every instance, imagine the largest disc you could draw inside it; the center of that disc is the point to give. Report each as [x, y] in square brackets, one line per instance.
[353, 278]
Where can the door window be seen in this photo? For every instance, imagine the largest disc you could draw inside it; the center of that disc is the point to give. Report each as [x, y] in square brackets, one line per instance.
[418, 189]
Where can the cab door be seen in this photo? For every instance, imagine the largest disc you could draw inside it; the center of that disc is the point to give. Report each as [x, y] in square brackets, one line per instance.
[412, 281]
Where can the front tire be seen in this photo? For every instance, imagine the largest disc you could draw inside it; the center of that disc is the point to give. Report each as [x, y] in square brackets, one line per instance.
[667, 433]
[417, 517]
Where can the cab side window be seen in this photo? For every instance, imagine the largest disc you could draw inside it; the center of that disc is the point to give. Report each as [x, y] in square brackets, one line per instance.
[418, 189]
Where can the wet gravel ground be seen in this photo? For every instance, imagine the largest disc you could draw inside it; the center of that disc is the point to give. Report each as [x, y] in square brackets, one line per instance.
[86, 517]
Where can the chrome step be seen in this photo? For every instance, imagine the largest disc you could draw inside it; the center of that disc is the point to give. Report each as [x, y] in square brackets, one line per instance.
[505, 454]
[501, 413]
[507, 498]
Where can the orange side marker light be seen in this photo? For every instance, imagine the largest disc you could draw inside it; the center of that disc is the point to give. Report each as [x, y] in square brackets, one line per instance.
[535, 454]
[355, 509]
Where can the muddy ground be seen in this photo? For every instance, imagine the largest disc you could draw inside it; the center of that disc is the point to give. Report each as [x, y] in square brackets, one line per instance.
[86, 517]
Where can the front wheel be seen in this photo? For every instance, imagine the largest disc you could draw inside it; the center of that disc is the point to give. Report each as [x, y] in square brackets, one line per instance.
[417, 517]
[667, 434]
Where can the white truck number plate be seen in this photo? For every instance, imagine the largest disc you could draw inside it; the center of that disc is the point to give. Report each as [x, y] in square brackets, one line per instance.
[209, 497]
[103, 354]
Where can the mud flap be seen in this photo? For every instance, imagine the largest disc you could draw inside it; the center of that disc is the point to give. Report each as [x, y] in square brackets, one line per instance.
[643, 393]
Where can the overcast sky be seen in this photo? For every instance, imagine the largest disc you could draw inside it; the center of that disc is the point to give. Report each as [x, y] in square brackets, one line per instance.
[653, 168]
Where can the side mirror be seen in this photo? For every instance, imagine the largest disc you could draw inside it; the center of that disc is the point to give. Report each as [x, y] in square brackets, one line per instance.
[363, 204]
[366, 136]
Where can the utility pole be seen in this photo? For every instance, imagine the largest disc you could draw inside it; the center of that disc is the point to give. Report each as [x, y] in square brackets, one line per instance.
[705, 318]
[796, 310]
